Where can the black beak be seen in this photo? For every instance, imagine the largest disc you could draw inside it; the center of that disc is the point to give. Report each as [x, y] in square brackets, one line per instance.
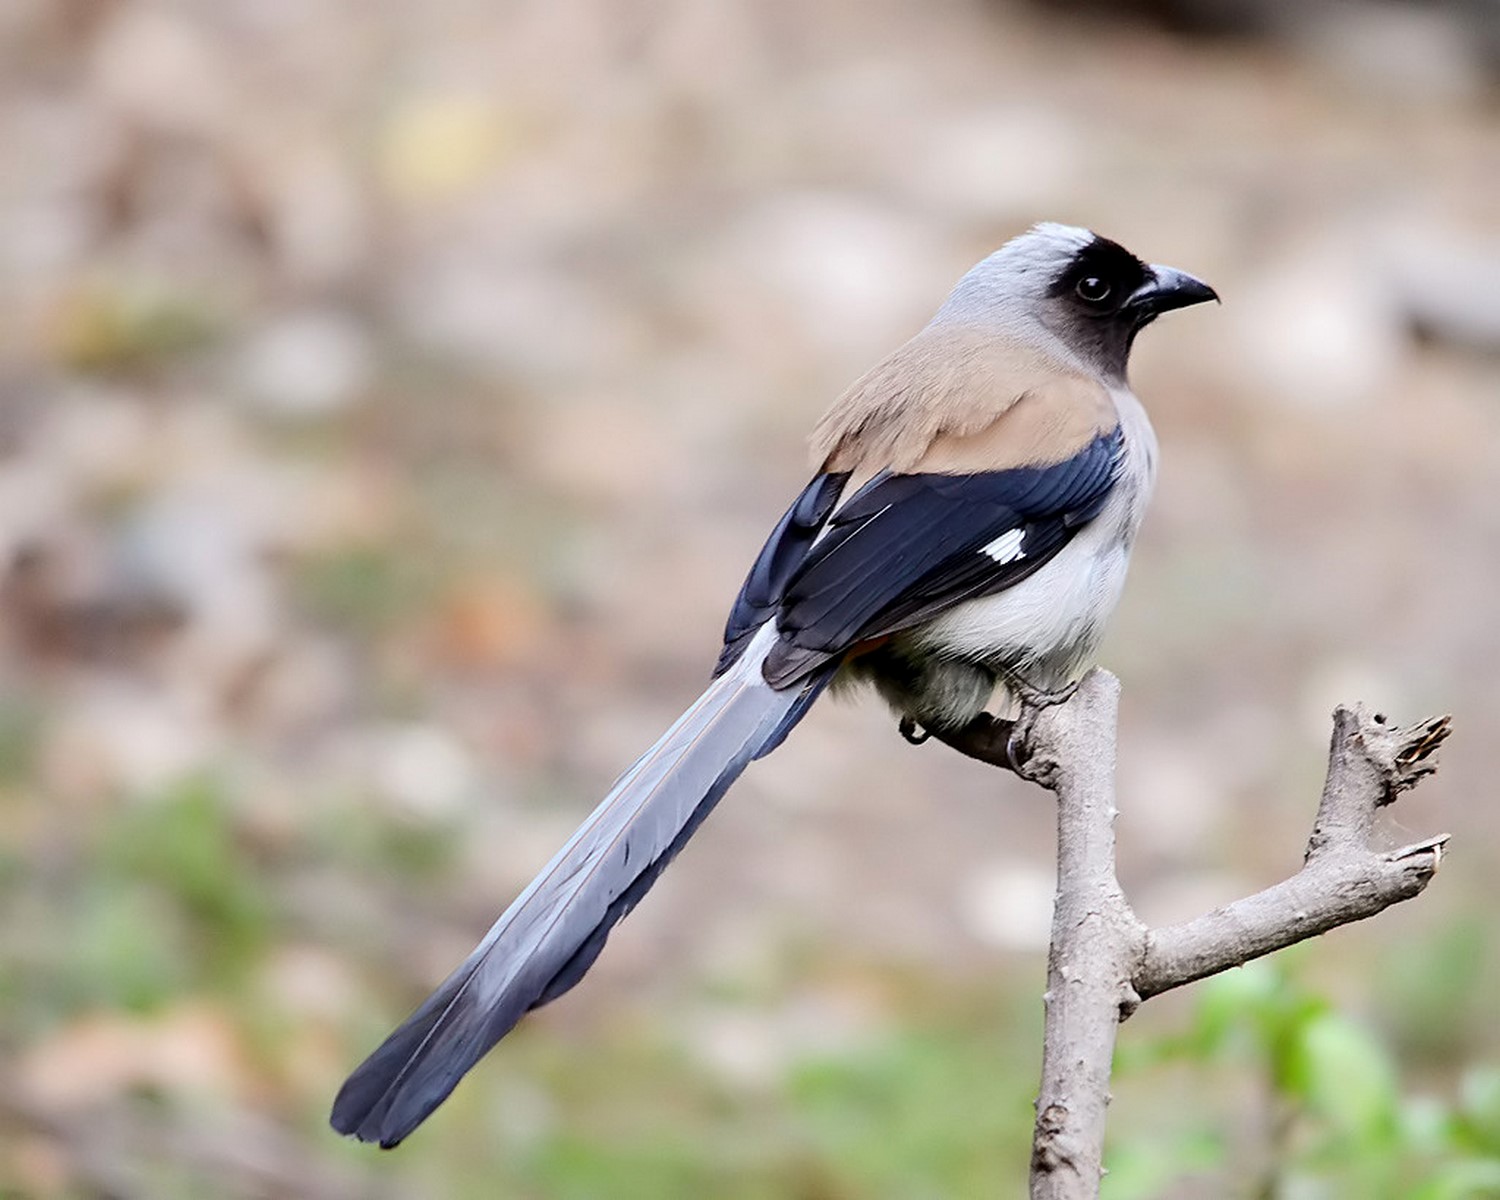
[1167, 288]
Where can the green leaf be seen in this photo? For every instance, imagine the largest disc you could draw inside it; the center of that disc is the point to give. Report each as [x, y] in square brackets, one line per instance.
[1345, 1076]
[1231, 1003]
[1469, 1179]
[1148, 1169]
[1479, 1109]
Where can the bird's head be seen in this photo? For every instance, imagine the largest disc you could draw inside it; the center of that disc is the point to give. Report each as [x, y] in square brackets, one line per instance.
[1087, 293]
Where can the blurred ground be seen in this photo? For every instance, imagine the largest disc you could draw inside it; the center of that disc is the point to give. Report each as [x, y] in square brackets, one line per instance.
[391, 398]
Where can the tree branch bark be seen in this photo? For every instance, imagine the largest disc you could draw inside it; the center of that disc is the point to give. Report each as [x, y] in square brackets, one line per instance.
[1104, 962]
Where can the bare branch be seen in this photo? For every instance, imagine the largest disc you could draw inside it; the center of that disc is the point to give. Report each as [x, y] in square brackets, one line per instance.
[1103, 962]
[1096, 939]
[1369, 764]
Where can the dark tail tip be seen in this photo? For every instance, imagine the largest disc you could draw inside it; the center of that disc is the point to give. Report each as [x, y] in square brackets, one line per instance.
[387, 1122]
[374, 1106]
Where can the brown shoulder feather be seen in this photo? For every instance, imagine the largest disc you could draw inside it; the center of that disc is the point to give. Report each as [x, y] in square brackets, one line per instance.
[958, 400]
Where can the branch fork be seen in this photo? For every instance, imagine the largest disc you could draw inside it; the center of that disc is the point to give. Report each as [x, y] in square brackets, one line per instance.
[1103, 962]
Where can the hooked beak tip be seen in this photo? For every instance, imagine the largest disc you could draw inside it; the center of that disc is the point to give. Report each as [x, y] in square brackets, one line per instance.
[1168, 289]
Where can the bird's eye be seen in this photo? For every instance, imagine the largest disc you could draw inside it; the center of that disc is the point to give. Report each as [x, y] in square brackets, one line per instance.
[1093, 290]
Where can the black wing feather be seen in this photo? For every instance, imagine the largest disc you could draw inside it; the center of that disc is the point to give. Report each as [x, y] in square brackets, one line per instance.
[905, 547]
[784, 551]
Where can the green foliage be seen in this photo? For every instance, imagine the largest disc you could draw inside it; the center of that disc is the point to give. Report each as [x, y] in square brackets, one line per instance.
[1435, 993]
[1338, 1119]
[929, 1112]
[183, 845]
[163, 902]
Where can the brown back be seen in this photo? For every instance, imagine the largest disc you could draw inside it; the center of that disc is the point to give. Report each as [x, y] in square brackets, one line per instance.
[956, 400]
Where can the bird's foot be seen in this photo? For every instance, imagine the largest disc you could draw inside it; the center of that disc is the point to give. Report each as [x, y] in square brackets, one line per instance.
[1033, 701]
[1017, 752]
[999, 741]
[988, 738]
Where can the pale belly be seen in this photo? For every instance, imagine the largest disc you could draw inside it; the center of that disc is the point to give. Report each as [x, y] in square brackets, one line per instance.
[1045, 628]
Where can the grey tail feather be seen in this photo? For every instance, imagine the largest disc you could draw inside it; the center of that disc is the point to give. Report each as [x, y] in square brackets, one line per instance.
[545, 941]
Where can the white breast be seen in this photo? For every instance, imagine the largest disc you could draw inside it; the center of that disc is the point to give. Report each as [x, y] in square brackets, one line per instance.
[1048, 625]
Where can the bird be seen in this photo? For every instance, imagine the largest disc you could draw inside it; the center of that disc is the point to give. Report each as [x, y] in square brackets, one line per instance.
[966, 531]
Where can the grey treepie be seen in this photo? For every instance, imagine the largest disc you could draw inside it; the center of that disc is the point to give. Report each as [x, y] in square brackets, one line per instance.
[969, 525]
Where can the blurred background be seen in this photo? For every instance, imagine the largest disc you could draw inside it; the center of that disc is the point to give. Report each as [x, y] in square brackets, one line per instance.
[391, 399]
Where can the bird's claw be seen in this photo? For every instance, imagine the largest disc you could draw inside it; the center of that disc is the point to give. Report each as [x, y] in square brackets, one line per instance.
[1035, 697]
[1016, 751]
[907, 728]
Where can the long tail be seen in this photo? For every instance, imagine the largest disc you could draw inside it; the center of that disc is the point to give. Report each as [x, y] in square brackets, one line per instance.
[545, 941]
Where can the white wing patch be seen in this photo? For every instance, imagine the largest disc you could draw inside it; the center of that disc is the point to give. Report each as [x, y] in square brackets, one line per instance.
[1007, 547]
